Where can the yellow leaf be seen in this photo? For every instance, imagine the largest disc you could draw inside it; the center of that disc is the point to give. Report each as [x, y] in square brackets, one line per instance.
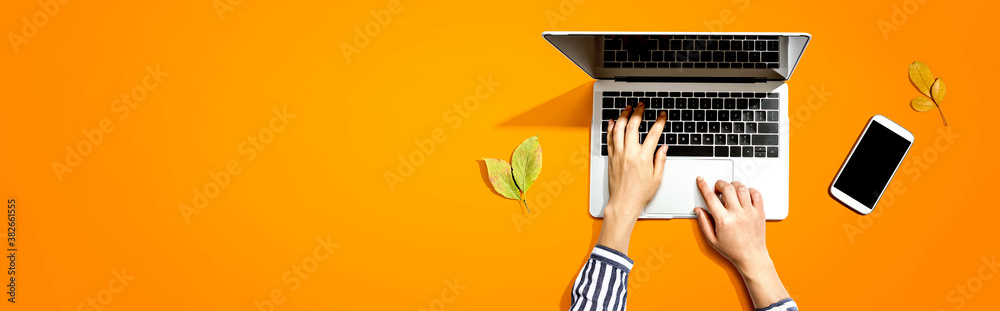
[527, 163]
[500, 177]
[921, 104]
[938, 90]
[921, 77]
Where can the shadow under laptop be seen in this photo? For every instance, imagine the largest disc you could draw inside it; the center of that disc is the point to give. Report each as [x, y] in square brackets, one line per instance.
[571, 109]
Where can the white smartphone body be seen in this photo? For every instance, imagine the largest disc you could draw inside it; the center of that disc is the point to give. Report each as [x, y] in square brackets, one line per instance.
[871, 164]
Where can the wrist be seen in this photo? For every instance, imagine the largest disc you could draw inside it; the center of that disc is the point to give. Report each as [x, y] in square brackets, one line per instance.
[761, 279]
[619, 217]
[615, 237]
[755, 267]
[616, 229]
[622, 211]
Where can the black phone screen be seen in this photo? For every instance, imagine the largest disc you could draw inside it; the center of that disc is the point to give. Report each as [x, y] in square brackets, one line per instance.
[869, 169]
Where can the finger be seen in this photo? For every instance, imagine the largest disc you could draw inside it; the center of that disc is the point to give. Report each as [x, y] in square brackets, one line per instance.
[659, 162]
[620, 128]
[757, 198]
[610, 137]
[654, 132]
[728, 194]
[632, 128]
[743, 194]
[712, 200]
[706, 225]
[758, 202]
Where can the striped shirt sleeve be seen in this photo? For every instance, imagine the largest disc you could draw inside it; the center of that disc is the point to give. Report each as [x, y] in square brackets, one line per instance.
[602, 283]
[786, 304]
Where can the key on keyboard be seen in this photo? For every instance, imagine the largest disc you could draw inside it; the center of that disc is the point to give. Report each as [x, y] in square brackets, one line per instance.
[704, 124]
[690, 51]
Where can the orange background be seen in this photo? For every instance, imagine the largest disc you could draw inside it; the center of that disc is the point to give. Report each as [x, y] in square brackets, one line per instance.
[323, 175]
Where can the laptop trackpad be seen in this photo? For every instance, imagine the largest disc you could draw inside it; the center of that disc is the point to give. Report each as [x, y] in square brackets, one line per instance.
[678, 194]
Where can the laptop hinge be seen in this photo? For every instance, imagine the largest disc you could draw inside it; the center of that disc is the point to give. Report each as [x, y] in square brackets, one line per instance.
[693, 79]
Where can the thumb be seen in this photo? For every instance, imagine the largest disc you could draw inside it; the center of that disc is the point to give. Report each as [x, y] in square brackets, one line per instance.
[658, 162]
[706, 225]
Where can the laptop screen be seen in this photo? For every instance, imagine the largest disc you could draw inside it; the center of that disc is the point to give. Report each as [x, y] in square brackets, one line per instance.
[771, 56]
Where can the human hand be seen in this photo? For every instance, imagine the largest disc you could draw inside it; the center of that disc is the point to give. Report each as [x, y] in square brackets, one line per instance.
[738, 229]
[738, 234]
[634, 172]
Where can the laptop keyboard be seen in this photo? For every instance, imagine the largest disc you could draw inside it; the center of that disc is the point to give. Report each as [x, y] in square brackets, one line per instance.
[691, 51]
[703, 124]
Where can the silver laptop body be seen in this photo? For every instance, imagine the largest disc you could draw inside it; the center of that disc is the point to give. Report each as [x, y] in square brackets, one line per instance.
[702, 81]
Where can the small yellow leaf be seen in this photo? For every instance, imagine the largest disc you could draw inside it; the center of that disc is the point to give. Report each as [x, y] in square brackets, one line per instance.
[527, 163]
[500, 176]
[921, 104]
[921, 77]
[938, 91]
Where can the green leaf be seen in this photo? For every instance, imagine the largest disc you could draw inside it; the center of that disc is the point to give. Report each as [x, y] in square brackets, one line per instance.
[501, 179]
[921, 77]
[527, 161]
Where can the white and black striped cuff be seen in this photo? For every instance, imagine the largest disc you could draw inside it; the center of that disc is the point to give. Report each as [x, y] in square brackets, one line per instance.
[786, 304]
[612, 257]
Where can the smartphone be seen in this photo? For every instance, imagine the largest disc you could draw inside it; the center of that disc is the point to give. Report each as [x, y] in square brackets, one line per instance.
[871, 164]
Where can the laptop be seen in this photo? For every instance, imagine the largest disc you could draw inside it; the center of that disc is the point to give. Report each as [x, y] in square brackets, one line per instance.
[726, 102]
